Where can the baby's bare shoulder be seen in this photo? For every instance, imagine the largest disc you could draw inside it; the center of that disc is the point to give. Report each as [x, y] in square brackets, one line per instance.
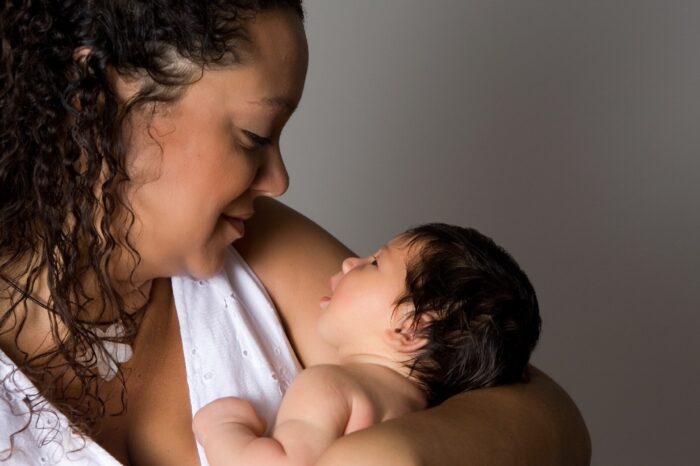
[322, 393]
[326, 377]
[338, 392]
[328, 385]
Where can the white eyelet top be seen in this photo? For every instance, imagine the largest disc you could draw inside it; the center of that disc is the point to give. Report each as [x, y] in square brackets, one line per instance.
[233, 340]
[233, 343]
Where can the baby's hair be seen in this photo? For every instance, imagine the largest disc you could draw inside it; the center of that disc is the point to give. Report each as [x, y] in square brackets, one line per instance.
[474, 304]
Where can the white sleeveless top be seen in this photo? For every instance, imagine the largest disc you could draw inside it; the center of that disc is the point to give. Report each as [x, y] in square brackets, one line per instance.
[234, 345]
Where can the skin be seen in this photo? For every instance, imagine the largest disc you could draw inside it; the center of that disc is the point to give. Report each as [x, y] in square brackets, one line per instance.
[212, 153]
[358, 317]
[369, 385]
[323, 403]
[533, 424]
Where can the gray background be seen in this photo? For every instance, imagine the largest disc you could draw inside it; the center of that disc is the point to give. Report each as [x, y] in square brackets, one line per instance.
[566, 130]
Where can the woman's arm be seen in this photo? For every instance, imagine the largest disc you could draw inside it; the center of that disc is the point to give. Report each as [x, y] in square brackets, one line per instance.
[533, 424]
[295, 259]
[529, 424]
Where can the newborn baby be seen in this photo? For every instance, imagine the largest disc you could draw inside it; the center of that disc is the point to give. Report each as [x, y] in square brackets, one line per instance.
[438, 310]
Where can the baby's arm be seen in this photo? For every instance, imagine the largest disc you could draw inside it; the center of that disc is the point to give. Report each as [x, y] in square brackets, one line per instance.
[314, 412]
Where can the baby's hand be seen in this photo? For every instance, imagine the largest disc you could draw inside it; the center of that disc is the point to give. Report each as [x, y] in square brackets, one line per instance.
[221, 414]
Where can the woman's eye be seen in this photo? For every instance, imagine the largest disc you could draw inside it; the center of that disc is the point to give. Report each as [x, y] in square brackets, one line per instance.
[374, 261]
[256, 141]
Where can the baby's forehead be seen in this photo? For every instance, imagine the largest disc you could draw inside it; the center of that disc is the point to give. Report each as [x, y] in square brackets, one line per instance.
[405, 243]
[402, 247]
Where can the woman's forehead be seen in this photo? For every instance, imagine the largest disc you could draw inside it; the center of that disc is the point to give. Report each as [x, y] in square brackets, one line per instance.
[278, 62]
[278, 39]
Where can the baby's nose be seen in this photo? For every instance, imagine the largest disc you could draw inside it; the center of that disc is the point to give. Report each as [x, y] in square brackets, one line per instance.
[350, 263]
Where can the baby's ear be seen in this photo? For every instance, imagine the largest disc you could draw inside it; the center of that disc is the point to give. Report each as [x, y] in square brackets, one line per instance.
[408, 336]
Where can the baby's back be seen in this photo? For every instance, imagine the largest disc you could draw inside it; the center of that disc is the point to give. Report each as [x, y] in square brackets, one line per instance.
[359, 394]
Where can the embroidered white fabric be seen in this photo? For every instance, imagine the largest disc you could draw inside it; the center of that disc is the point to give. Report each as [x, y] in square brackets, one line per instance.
[233, 343]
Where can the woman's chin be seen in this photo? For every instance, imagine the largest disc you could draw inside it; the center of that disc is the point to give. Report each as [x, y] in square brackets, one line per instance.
[205, 267]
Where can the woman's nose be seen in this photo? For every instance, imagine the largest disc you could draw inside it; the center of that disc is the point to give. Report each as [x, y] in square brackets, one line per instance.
[272, 178]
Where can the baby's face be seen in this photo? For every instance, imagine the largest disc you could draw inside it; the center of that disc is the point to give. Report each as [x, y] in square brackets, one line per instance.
[363, 296]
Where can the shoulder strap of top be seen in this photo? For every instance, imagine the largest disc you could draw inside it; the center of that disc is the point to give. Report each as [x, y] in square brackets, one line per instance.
[233, 340]
[48, 437]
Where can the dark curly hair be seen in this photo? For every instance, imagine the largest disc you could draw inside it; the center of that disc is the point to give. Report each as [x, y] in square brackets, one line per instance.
[482, 317]
[62, 169]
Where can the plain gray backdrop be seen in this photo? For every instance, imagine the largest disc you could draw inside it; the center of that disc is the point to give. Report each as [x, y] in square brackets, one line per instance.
[566, 130]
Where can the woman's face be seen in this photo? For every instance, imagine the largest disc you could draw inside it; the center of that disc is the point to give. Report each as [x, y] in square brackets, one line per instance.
[197, 164]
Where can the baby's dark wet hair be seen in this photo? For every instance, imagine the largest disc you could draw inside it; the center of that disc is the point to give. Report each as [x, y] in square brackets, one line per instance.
[476, 307]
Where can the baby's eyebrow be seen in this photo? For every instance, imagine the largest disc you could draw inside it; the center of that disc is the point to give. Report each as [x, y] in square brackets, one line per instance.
[383, 251]
[379, 251]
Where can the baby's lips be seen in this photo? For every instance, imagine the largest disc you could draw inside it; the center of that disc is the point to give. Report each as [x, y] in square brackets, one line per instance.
[333, 281]
[324, 302]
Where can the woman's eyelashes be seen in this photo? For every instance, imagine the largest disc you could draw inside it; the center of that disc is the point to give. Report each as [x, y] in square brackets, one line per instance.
[256, 142]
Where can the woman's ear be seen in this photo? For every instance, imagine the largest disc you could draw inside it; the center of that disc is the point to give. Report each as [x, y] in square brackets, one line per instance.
[81, 54]
[408, 336]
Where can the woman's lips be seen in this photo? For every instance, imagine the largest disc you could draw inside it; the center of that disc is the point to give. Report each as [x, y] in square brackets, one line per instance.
[236, 223]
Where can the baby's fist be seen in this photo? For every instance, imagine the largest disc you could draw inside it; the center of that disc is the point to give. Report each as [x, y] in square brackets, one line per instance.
[221, 413]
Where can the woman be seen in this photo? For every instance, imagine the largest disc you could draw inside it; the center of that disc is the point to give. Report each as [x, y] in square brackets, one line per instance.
[137, 139]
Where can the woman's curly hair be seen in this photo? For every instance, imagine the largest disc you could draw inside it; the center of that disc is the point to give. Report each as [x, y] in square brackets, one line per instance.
[62, 149]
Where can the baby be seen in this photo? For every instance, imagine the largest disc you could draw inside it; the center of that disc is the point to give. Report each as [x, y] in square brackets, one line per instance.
[438, 310]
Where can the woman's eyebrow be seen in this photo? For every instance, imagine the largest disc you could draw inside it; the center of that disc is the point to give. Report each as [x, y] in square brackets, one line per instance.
[277, 102]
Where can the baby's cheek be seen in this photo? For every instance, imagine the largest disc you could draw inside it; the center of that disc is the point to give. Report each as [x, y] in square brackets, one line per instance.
[327, 326]
[321, 323]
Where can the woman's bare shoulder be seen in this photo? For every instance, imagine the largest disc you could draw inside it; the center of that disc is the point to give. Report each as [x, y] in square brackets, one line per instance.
[294, 258]
[277, 229]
